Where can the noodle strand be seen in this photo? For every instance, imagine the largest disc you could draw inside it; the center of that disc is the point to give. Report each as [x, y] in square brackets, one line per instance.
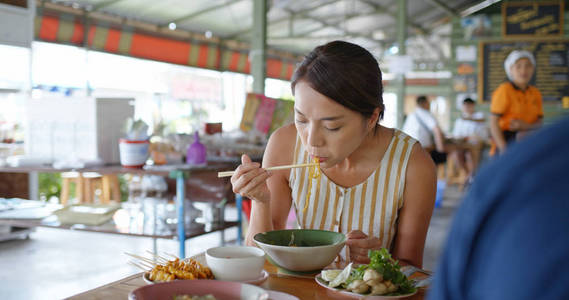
[313, 173]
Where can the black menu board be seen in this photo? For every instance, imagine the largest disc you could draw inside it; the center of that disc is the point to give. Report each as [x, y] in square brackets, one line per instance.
[532, 18]
[551, 74]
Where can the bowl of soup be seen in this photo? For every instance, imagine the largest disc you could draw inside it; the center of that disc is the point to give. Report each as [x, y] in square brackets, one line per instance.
[235, 263]
[301, 250]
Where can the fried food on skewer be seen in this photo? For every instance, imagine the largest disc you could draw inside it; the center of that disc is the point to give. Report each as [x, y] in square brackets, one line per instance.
[180, 269]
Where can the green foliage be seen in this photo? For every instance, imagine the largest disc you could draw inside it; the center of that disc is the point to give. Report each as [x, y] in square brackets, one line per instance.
[49, 185]
[123, 187]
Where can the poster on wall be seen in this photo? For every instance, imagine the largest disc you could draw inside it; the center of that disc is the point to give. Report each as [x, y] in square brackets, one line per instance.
[465, 69]
[195, 87]
[264, 114]
[465, 83]
[476, 26]
[528, 19]
[466, 53]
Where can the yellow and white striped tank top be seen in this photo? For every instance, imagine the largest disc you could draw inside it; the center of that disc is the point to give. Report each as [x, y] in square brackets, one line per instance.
[371, 206]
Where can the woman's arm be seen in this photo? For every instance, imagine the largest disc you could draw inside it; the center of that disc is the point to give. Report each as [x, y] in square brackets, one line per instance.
[272, 212]
[418, 202]
[497, 134]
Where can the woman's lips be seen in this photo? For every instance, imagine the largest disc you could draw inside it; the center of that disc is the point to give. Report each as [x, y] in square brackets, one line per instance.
[320, 159]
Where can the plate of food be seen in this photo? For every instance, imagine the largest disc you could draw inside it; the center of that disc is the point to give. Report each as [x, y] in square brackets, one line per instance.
[206, 290]
[199, 289]
[380, 279]
[146, 276]
[160, 269]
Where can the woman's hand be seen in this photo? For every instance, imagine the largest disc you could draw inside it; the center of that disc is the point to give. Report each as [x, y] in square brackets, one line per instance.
[359, 244]
[250, 180]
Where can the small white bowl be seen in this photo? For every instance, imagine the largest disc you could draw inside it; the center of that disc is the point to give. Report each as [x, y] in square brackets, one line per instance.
[235, 263]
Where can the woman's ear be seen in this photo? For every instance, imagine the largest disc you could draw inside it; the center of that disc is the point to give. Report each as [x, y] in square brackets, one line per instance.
[374, 118]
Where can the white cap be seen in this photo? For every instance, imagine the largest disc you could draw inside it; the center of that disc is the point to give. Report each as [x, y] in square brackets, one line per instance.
[513, 57]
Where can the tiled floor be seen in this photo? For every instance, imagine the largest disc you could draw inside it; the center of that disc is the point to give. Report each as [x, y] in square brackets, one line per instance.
[55, 264]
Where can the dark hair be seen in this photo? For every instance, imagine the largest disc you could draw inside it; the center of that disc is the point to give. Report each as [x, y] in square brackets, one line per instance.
[346, 73]
[422, 99]
[468, 101]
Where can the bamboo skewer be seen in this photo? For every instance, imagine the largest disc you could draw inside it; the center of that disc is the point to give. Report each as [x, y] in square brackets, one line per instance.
[142, 259]
[157, 257]
[230, 173]
[139, 265]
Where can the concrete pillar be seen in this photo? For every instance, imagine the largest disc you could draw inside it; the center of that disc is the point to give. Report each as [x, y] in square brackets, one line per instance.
[401, 38]
[257, 55]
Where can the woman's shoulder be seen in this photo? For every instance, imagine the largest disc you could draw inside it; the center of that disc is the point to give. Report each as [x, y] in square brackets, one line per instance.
[284, 135]
[280, 147]
[418, 157]
[402, 136]
[420, 164]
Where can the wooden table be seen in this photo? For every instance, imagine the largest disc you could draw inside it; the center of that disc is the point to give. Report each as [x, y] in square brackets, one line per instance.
[301, 287]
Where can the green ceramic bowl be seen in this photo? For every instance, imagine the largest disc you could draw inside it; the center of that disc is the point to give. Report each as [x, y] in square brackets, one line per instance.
[301, 250]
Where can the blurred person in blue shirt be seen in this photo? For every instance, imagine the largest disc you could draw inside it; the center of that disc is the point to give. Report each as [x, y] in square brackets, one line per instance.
[510, 236]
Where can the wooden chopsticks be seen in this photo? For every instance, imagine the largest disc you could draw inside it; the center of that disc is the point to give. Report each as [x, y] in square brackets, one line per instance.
[230, 173]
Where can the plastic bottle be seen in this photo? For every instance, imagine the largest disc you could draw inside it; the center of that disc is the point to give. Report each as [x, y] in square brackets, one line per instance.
[196, 154]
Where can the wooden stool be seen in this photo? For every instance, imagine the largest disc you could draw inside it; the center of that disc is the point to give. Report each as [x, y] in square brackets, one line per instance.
[85, 186]
[91, 183]
[67, 179]
[110, 188]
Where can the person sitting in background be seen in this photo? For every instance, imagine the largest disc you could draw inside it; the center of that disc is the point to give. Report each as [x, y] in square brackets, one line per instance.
[470, 129]
[422, 126]
[511, 243]
[516, 105]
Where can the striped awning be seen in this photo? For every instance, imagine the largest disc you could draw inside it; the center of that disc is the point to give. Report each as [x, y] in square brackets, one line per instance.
[68, 29]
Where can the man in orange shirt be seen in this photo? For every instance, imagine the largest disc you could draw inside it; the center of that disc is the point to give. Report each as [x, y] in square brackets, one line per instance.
[516, 106]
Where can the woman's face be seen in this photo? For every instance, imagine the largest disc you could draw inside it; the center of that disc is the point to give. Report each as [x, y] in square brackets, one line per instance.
[327, 129]
[522, 71]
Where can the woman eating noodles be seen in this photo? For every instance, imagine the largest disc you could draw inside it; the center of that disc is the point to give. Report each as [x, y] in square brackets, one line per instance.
[376, 184]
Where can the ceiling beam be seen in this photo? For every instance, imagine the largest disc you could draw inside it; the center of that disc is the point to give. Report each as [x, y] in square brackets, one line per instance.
[328, 24]
[477, 7]
[392, 10]
[379, 9]
[422, 31]
[347, 18]
[283, 39]
[200, 12]
[104, 4]
[286, 18]
[444, 7]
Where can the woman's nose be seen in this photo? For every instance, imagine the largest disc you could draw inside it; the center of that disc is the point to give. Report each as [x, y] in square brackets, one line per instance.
[314, 137]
